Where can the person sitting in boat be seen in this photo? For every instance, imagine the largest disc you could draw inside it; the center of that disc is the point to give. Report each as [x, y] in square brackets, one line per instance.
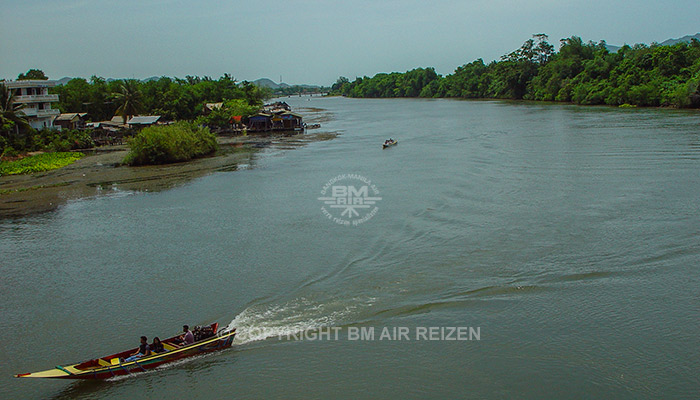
[186, 338]
[157, 346]
[143, 350]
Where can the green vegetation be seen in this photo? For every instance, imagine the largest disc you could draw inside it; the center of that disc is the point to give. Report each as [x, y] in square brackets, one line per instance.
[581, 73]
[408, 84]
[63, 140]
[221, 118]
[173, 99]
[129, 99]
[12, 122]
[39, 163]
[13, 143]
[17, 136]
[36, 74]
[170, 143]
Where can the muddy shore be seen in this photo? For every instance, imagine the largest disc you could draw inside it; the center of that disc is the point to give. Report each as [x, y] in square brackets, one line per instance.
[101, 171]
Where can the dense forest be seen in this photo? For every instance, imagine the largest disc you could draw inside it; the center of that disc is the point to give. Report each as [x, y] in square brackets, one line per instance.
[172, 98]
[581, 73]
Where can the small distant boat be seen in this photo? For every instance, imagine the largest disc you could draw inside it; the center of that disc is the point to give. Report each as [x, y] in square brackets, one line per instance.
[207, 341]
[389, 143]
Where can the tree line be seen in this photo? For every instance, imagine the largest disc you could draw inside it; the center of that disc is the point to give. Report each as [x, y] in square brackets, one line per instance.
[581, 73]
[300, 90]
[172, 98]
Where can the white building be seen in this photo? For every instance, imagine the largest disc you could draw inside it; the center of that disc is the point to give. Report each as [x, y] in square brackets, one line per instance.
[34, 94]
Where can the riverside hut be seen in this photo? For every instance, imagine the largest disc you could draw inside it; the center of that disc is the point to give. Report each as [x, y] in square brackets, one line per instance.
[70, 121]
[287, 121]
[260, 122]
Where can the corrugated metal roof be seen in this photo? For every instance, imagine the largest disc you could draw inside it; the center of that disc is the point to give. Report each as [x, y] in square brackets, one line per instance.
[113, 123]
[144, 120]
[292, 114]
[261, 115]
[66, 117]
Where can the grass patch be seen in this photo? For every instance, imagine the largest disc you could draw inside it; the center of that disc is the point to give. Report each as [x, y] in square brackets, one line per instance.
[39, 163]
[170, 143]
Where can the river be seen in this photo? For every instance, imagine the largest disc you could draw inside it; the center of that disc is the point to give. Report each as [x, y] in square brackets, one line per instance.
[564, 239]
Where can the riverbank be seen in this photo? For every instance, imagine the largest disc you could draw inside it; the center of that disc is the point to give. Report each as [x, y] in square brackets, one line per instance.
[101, 171]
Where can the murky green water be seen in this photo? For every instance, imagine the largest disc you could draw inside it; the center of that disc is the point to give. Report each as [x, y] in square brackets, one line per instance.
[570, 236]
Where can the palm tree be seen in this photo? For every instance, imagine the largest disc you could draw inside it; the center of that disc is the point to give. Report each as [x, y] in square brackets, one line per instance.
[129, 99]
[10, 111]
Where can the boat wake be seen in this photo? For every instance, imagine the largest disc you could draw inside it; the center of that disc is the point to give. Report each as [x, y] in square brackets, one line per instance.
[169, 365]
[264, 321]
[260, 322]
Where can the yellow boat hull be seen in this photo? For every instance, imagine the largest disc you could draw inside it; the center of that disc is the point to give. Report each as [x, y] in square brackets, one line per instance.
[110, 366]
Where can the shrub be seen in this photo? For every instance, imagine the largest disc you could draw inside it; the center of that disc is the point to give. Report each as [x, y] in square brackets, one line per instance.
[4, 144]
[170, 143]
[63, 140]
[9, 151]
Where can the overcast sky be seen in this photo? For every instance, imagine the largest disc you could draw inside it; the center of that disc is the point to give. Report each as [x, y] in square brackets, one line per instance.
[307, 41]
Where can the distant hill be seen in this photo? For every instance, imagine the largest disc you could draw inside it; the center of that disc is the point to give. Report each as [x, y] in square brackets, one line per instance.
[612, 48]
[269, 83]
[687, 38]
[63, 80]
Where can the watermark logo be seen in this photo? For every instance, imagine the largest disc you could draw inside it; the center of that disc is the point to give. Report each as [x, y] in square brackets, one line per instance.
[349, 199]
[372, 333]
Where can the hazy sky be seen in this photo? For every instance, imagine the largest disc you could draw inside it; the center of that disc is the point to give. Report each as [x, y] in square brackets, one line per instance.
[307, 41]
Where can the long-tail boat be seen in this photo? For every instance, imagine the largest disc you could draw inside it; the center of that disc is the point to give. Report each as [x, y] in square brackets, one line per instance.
[208, 340]
[389, 143]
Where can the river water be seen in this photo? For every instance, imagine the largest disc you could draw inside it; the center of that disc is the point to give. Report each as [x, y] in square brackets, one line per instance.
[564, 239]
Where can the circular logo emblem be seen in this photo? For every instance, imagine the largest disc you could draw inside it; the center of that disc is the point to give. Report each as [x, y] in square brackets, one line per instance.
[349, 199]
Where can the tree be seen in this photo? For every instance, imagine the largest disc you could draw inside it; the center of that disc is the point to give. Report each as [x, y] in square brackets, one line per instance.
[339, 86]
[101, 104]
[128, 98]
[10, 117]
[32, 74]
[254, 94]
[74, 96]
[543, 50]
[539, 53]
[466, 81]
[221, 117]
